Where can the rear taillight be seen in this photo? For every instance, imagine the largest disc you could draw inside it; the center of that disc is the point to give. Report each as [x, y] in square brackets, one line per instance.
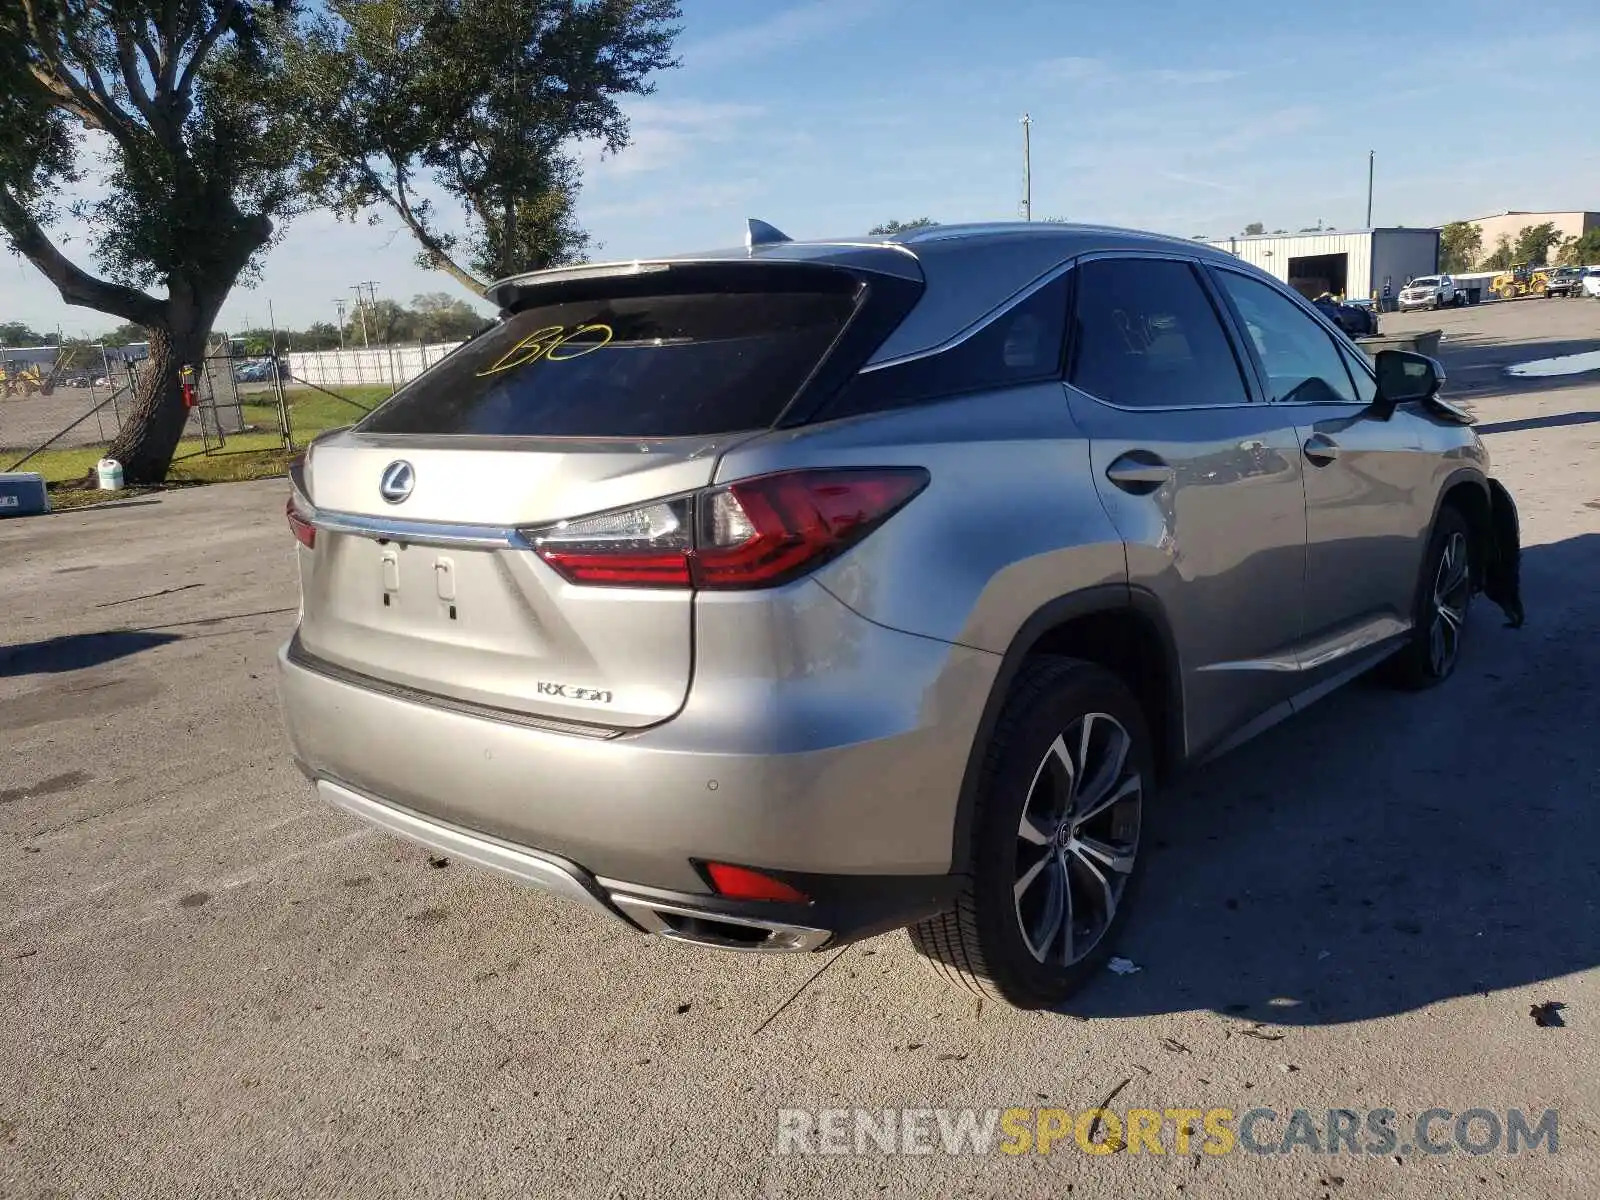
[755, 533]
[304, 531]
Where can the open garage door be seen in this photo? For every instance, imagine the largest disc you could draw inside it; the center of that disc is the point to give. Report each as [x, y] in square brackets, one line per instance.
[1314, 274]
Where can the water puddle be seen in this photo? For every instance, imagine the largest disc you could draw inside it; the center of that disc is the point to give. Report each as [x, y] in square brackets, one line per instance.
[1566, 364]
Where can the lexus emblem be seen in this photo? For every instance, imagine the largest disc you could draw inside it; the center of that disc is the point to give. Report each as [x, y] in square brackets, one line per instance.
[398, 479]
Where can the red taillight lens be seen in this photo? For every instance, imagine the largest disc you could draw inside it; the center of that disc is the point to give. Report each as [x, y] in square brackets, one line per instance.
[767, 530]
[755, 533]
[647, 546]
[304, 531]
[741, 883]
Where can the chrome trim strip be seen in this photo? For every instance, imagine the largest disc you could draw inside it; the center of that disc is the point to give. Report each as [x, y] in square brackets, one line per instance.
[530, 867]
[1320, 654]
[781, 938]
[978, 326]
[420, 533]
[299, 656]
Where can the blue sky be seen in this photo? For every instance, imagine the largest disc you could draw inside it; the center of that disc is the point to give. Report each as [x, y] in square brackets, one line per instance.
[828, 116]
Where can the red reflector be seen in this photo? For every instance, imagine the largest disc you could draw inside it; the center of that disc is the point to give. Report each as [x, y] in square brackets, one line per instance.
[304, 531]
[741, 883]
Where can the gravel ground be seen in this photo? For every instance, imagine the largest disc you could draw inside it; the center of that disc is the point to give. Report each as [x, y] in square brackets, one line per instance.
[214, 985]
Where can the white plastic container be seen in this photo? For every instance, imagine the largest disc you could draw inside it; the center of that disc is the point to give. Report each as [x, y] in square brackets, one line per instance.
[109, 471]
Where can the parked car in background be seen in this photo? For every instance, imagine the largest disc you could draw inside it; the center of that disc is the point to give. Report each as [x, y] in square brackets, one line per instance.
[1430, 291]
[1564, 281]
[1591, 282]
[712, 593]
[1356, 320]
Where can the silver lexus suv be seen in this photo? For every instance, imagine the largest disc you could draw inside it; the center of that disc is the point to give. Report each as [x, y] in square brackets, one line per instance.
[779, 596]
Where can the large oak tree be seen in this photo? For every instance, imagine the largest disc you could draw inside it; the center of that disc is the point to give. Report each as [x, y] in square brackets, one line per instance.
[476, 104]
[173, 101]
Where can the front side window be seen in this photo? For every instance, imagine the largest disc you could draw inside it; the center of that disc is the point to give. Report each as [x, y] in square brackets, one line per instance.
[1300, 359]
[1145, 335]
[1361, 375]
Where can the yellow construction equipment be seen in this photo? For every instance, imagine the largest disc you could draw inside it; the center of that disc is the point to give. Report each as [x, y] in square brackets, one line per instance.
[1526, 280]
[23, 381]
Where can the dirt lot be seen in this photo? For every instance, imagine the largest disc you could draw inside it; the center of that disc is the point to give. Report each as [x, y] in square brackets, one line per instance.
[214, 985]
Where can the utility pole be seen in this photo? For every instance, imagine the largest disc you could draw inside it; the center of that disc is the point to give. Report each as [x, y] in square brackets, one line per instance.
[361, 312]
[372, 302]
[1371, 155]
[1027, 168]
[338, 307]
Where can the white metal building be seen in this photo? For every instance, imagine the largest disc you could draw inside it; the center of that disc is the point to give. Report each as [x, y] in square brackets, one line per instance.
[1353, 262]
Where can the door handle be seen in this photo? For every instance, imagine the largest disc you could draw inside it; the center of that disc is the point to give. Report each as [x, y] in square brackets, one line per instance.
[1321, 449]
[1139, 472]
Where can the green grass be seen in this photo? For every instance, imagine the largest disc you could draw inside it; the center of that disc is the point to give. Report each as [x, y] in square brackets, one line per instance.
[254, 455]
[312, 411]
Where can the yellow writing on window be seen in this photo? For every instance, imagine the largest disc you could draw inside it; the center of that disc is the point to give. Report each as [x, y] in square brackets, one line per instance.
[554, 343]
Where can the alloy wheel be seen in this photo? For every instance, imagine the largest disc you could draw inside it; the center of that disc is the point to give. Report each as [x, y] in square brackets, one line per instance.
[1452, 590]
[1077, 839]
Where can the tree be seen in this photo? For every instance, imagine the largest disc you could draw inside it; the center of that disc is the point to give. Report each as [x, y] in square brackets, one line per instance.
[1503, 257]
[261, 342]
[1253, 229]
[322, 335]
[125, 335]
[890, 228]
[1582, 251]
[440, 317]
[1460, 244]
[485, 100]
[16, 333]
[1534, 242]
[177, 95]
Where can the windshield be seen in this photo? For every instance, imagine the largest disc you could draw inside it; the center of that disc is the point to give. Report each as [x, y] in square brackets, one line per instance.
[1426, 281]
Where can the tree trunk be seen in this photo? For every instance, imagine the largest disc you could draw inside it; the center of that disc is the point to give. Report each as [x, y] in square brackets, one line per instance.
[150, 434]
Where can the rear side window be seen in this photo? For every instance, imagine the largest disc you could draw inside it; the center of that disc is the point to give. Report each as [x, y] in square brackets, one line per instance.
[1021, 345]
[634, 366]
[1146, 336]
[1299, 356]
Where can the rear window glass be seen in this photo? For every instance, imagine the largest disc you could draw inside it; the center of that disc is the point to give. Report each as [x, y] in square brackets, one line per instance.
[673, 365]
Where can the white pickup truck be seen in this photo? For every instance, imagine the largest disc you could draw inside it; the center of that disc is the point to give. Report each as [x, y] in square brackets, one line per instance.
[1430, 291]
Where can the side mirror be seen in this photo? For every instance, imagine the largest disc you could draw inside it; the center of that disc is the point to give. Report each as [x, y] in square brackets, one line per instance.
[1406, 378]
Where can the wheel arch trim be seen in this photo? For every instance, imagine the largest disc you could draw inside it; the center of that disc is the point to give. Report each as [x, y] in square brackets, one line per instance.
[1103, 599]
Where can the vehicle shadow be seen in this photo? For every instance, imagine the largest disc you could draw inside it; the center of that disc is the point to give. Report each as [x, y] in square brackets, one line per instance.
[1553, 421]
[59, 655]
[1386, 851]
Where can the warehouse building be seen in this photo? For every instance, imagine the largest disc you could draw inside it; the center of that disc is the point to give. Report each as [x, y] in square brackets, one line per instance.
[1510, 225]
[1354, 263]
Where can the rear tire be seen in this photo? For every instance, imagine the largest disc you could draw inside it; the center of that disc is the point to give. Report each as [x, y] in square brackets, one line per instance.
[1055, 839]
[1439, 614]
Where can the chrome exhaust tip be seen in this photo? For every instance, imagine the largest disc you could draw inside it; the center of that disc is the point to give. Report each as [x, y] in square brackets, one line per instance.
[749, 935]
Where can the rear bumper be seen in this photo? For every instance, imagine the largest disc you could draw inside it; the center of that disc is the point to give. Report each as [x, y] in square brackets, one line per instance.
[842, 910]
[847, 793]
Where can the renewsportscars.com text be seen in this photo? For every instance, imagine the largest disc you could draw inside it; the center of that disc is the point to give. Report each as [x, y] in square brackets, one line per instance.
[1215, 1131]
